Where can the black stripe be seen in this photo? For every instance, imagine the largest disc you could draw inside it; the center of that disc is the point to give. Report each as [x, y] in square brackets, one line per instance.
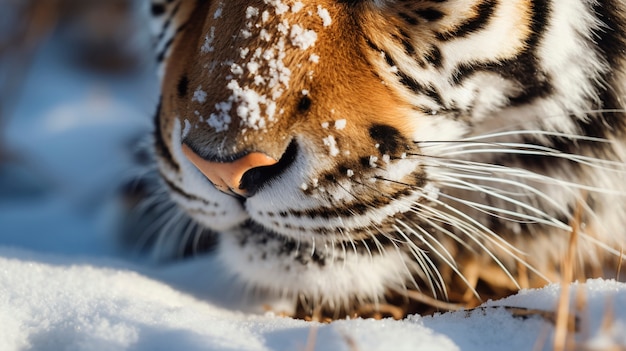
[432, 93]
[608, 43]
[405, 39]
[388, 58]
[173, 187]
[410, 83]
[485, 12]
[159, 144]
[361, 207]
[408, 18]
[165, 27]
[434, 57]
[371, 44]
[418, 88]
[157, 10]
[168, 22]
[161, 55]
[524, 68]
[430, 14]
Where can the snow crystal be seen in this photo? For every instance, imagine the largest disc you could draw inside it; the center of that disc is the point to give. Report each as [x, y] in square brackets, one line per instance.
[373, 160]
[236, 69]
[278, 5]
[253, 67]
[218, 11]
[208, 42]
[243, 52]
[325, 125]
[340, 124]
[265, 16]
[283, 27]
[249, 105]
[246, 33]
[314, 58]
[324, 15]
[297, 6]
[220, 120]
[251, 11]
[332, 145]
[302, 38]
[259, 80]
[265, 35]
[199, 95]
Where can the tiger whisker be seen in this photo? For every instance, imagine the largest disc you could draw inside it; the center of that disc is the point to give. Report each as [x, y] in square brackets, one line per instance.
[350, 240]
[185, 233]
[583, 160]
[542, 217]
[449, 260]
[508, 133]
[160, 247]
[492, 235]
[197, 235]
[470, 228]
[426, 264]
[465, 227]
[492, 170]
[482, 231]
[164, 212]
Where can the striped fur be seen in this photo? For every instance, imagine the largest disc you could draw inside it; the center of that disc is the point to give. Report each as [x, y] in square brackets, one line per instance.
[446, 147]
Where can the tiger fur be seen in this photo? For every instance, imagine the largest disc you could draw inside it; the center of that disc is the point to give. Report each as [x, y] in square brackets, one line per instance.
[448, 147]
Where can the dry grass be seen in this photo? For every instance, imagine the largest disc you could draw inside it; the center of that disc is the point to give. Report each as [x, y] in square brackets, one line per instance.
[563, 339]
[564, 334]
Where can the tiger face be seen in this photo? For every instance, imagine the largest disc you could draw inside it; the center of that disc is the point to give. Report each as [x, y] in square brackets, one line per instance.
[343, 150]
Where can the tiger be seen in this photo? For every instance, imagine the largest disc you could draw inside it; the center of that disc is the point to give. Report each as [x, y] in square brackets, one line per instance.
[395, 156]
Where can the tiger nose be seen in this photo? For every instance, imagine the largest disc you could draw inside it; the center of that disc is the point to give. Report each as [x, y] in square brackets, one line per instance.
[226, 176]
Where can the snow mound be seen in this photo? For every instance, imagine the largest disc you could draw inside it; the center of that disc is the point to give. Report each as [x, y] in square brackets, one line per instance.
[53, 303]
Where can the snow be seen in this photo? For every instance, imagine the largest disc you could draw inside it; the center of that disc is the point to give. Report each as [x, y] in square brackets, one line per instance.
[314, 58]
[324, 15]
[331, 143]
[199, 95]
[66, 285]
[297, 6]
[302, 38]
[61, 303]
[207, 47]
[340, 124]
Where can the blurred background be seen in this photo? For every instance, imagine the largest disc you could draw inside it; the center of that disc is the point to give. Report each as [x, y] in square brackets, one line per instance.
[78, 90]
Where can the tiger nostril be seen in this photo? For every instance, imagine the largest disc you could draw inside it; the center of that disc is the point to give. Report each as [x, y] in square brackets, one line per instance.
[226, 176]
[243, 176]
[255, 178]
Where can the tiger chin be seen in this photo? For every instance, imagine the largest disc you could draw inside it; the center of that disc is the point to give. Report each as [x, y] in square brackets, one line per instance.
[368, 156]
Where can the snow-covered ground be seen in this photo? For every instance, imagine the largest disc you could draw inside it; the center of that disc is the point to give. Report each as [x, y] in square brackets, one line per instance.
[64, 285]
